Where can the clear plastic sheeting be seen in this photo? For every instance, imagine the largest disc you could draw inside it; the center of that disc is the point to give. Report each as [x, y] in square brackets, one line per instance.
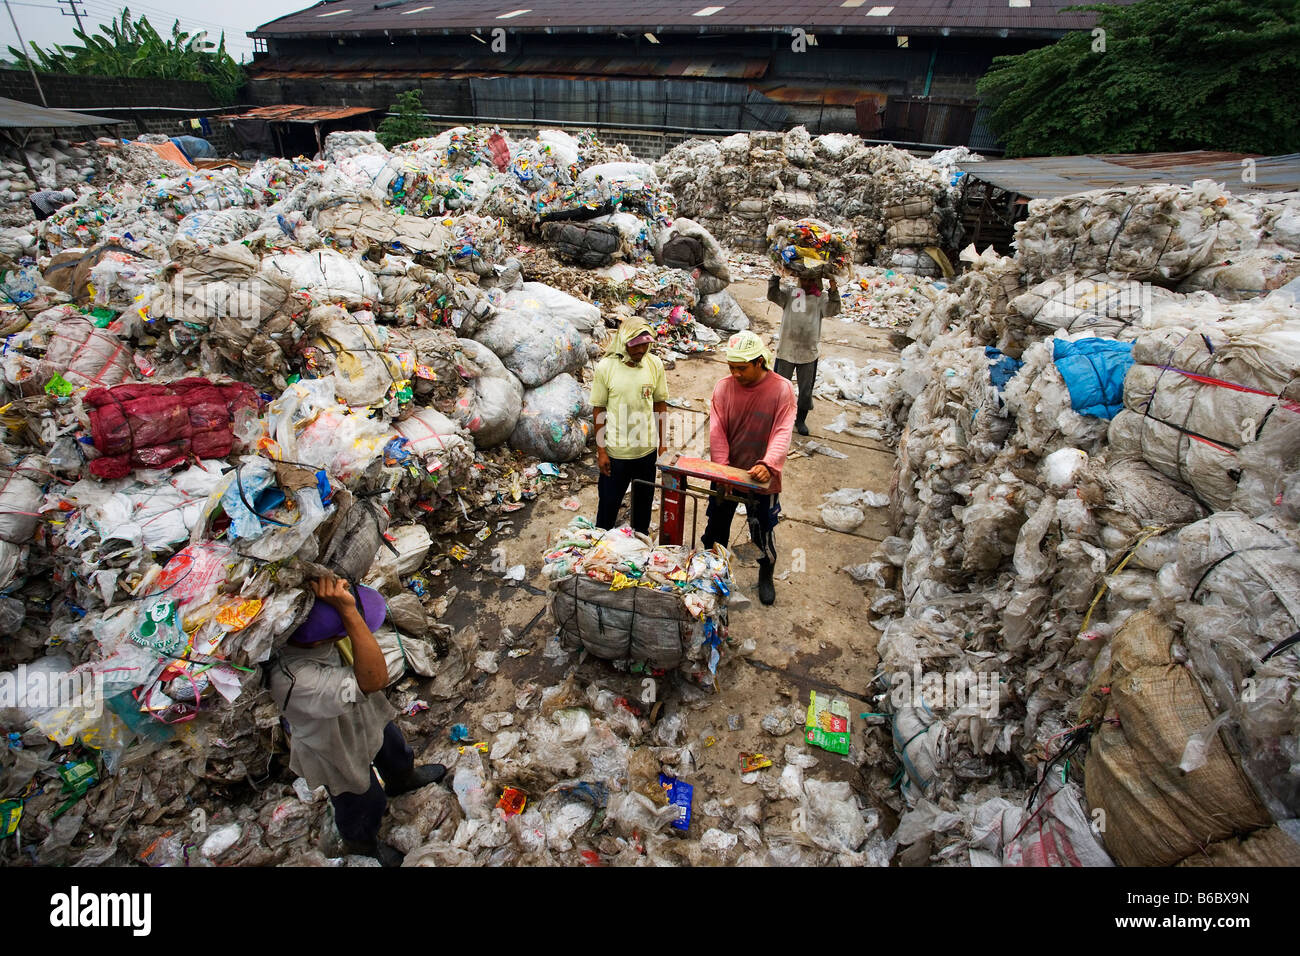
[1199, 396]
[1160, 232]
[1239, 579]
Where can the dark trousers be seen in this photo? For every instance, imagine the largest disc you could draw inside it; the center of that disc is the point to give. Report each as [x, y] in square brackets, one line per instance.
[761, 513]
[806, 372]
[612, 487]
[357, 815]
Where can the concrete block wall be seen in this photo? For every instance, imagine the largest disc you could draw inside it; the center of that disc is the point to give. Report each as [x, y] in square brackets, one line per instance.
[124, 98]
[104, 92]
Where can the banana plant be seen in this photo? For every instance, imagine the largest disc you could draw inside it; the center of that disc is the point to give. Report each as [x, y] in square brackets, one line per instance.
[130, 47]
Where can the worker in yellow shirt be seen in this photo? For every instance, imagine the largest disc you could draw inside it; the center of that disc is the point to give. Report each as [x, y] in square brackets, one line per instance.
[630, 396]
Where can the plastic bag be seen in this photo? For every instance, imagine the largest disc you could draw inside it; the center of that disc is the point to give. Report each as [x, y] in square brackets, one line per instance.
[552, 305]
[555, 421]
[722, 312]
[490, 407]
[534, 347]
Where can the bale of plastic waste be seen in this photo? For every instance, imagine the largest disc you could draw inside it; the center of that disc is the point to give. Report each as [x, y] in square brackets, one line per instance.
[1239, 579]
[217, 227]
[630, 624]
[553, 305]
[327, 274]
[1198, 396]
[554, 421]
[1158, 814]
[61, 345]
[533, 346]
[589, 245]
[1158, 232]
[355, 351]
[490, 405]
[809, 247]
[158, 426]
[624, 599]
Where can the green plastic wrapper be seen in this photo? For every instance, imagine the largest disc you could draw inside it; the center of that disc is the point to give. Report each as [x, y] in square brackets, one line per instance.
[827, 724]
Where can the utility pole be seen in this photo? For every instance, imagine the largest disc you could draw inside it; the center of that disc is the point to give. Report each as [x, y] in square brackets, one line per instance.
[23, 43]
[72, 6]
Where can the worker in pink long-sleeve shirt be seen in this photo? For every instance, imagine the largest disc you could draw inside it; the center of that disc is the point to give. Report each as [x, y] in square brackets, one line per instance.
[751, 420]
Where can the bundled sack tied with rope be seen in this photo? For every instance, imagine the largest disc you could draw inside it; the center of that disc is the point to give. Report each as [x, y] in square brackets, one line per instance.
[1241, 579]
[1197, 397]
[62, 350]
[434, 357]
[1158, 814]
[357, 353]
[631, 624]
[21, 491]
[366, 228]
[492, 398]
[328, 275]
[535, 346]
[810, 248]
[589, 245]
[688, 245]
[158, 426]
[554, 421]
[1159, 232]
[1114, 307]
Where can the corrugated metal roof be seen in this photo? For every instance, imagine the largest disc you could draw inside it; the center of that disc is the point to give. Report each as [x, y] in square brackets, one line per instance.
[15, 114]
[957, 17]
[1051, 176]
[289, 113]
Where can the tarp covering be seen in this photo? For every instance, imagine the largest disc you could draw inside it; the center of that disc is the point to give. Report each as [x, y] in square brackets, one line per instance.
[15, 114]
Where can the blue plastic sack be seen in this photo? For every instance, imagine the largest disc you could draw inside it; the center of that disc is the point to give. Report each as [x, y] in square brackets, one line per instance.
[1094, 371]
[1002, 368]
[194, 147]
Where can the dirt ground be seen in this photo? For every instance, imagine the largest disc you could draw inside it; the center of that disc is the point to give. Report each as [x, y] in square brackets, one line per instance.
[816, 637]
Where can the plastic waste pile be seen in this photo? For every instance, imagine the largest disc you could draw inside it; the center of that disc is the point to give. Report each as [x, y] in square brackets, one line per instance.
[46, 163]
[221, 383]
[1094, 529]
[886, 298]
[809, 248]
[1197, 237]
[895, 204]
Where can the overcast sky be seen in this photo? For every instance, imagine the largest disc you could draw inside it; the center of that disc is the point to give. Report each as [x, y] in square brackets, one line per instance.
[42, 21]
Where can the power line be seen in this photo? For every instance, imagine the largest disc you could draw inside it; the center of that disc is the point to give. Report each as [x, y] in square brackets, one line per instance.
[105, 13]
[105, 8]
[73, 12]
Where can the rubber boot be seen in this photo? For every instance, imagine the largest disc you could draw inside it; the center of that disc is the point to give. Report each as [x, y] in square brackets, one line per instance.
[414, 779]
[766, 587]
[387, 856]
[801, 423]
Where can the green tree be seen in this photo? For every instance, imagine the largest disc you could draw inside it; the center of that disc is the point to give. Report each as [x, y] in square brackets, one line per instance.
[409, 122]
[129, 47]
[1164, 75]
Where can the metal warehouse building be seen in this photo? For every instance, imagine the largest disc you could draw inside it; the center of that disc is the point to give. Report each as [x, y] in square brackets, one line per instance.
[904, 72]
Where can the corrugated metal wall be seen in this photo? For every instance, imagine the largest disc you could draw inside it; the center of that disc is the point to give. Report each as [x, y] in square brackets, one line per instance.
[693, 104]
[981, 135]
